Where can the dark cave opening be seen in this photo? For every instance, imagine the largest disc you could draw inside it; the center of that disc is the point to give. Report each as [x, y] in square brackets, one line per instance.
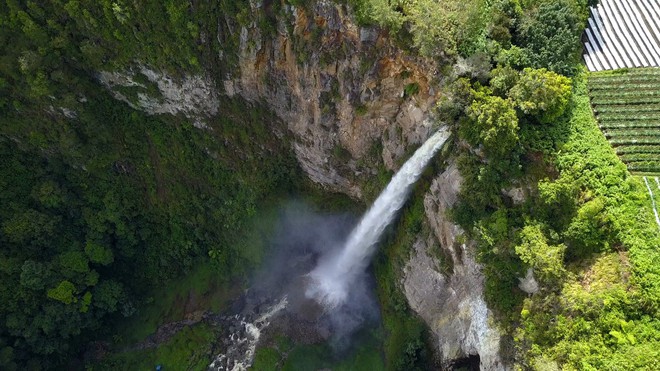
[469, 363]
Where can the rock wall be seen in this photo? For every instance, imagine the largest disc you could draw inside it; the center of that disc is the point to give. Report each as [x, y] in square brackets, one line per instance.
[452, 305]
[193, 96]
[337, 86]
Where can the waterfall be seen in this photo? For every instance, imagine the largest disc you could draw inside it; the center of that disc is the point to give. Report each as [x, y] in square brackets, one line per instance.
[333, 277]
[655, 211]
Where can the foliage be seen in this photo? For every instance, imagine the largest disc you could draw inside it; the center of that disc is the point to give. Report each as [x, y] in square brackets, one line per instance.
[495, 124]
[447, 27]
[101, 202]
[546, 260]
[381, 12]
[588, 234]
[286, 355]
[189, 349]
[541, 93]
[549, 34]
[437, 28]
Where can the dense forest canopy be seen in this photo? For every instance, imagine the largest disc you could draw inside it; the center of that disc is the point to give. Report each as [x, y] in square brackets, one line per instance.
[101, 202]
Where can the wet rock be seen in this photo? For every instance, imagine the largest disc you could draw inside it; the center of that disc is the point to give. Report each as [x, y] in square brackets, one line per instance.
[452, 304]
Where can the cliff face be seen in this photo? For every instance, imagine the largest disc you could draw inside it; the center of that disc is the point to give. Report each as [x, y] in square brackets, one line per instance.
[352, 103]
[452, 304]
[338, 87]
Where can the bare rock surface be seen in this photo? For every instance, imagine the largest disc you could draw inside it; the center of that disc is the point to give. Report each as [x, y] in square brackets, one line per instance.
[193, 95]
[453, 305]
[346, 89]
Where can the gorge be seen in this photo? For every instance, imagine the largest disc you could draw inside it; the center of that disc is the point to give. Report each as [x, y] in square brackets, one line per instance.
[156, 154]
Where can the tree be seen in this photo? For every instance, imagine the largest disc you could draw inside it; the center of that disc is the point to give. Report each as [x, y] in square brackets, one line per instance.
[445, 27]
[63, 292]
[588, 230]
[34, 275]
[382, 12]
[550, 35]
[98, 253]
[494, 123]
[541, 93]
[502, 79]
[534, 250]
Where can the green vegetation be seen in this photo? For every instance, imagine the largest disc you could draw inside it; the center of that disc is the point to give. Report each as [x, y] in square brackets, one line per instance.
[103, 203]
[626, 105]
[89, 228]
[437, 28]
[589, 236]
[105, 207]
[585, 227]
[189, 349]
[287, 356]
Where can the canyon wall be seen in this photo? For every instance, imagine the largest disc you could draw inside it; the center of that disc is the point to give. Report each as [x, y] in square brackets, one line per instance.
[353, 103]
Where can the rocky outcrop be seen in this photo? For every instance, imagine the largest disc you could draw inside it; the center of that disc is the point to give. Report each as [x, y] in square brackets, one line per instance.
[154, 92]
[339, 87]
[452, 305]
[351, 99]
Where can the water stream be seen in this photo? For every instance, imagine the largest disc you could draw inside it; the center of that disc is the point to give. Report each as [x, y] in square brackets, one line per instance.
[332, 278]
[335, 276]
[655, 210]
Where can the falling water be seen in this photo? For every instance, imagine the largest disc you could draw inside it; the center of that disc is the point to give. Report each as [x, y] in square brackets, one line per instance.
[655, 211]
[332, 278]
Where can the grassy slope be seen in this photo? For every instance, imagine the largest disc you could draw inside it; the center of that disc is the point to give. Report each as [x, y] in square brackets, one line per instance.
[291, 357]
[606, 314]
[187, 350]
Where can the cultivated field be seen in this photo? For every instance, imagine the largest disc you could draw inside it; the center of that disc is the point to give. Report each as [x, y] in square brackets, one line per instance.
[627, 105]
[623, 33]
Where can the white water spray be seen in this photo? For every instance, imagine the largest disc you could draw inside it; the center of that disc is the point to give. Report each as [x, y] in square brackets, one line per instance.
[333, 277]
[655, 211]
[243, 342]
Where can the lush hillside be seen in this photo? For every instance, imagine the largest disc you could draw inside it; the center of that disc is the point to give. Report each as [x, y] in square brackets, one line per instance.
[103, 203]
[627, 106]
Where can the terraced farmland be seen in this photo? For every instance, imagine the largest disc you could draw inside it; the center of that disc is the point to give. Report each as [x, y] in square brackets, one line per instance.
[627, 106]
[623, 33]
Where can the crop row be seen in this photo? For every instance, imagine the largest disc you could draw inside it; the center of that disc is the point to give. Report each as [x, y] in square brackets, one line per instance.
[619, 93]
[623, 140]
[648, 109]
[633, 157]
[604, 84]
[626, 100]
[644, 166]
[655, 149]
[595, 79]
[632, 124]
[628, 132]
[616, 117]
[620, 75]
[642, 84]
